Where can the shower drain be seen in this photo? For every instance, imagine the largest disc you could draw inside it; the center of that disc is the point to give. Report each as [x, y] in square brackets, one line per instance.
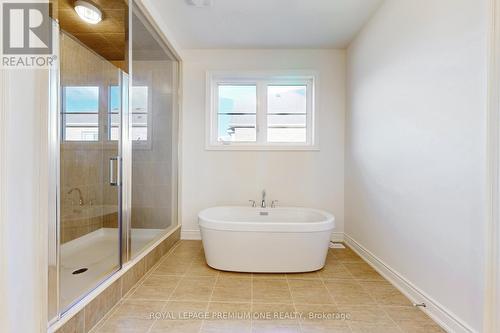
[80, 271]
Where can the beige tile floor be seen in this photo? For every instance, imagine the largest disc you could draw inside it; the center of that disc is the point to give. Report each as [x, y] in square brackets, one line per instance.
[182, 284]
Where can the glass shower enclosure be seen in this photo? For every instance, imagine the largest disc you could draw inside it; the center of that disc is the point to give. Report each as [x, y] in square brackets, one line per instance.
[117, 124]
[153, 135]
[90, 188]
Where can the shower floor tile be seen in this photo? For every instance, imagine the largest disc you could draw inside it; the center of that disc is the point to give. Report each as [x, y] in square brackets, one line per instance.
[186, 295]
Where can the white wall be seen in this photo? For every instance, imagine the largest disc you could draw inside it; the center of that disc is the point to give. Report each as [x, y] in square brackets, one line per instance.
[307, 178]
[415, 154]
[24, 204]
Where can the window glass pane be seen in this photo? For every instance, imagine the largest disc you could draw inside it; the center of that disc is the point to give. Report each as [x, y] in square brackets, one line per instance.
[286, 99]
[114, 99]
[139, 119]
[81, 99]
[82, 134]
[81, 113]
[286, 120]
[237, 118]
[139, 99]
[286, 135]
[114, 109]
[115, 120]
[114, 133]
[140, 116]
[286, 113]
[114, 113]
[238, 128]
[81, 120]
[139, 134]
[237, 99]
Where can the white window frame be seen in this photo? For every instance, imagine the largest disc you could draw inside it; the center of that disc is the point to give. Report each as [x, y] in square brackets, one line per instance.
[261, 80]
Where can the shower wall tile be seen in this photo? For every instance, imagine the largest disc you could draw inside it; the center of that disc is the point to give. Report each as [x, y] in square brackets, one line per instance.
[152, 257]
[132, 276]
[75, 324]
[98, 308]
[95, 223]
[81, 169]
[110, 221]
[70, 233]
[166, 245]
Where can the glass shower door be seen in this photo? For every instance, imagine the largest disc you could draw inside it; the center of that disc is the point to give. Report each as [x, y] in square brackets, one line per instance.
[90, 171]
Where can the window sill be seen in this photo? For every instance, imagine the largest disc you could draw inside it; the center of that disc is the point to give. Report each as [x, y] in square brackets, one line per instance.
[243, 147]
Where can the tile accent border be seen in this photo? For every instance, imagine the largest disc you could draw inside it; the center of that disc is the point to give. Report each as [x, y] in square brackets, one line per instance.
[442, 316]
[86, 318]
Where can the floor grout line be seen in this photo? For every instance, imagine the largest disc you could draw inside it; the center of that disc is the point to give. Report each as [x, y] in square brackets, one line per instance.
[169, 296]
[150, 273]
[211, 295]
[364, 289]
[118, 304]
[167, 301]
[104, 319]
[191, 271]
[293, 302]
[251, 302]
[337, 306]
[395, 323]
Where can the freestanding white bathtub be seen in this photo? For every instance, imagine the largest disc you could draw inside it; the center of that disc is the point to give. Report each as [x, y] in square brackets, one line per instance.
[265, 240]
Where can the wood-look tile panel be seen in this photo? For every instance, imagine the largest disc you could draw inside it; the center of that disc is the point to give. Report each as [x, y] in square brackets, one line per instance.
[108, 37]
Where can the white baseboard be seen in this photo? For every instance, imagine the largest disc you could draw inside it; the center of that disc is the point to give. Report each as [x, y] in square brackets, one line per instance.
[195, 235]
[190, 234]
[442, 316]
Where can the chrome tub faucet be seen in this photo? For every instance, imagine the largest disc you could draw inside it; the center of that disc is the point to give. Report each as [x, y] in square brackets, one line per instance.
[80, 196]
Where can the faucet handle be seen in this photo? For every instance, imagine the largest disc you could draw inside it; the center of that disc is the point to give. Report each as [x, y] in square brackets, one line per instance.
[254, 204]
[273, 203]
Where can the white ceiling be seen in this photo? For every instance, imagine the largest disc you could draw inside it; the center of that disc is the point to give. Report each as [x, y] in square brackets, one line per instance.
[266, 23]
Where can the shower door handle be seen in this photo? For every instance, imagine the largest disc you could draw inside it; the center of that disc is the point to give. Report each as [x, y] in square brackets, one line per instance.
[114, 165]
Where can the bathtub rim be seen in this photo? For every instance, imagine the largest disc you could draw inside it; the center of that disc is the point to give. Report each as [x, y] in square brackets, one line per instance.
[328, 224]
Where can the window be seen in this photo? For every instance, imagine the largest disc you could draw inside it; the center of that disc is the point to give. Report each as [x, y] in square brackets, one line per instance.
[114, 108]
[80, 113]
[140, 114]
[260, 112]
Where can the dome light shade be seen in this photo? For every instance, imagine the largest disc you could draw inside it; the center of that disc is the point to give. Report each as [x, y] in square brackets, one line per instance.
[88, 12]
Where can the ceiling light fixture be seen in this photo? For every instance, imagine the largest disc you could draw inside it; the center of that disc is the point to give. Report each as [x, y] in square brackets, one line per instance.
[200, 3]
[88, 12]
